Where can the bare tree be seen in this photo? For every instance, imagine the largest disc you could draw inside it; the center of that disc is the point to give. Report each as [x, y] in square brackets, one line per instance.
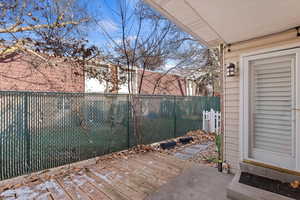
[207, 77]
[139, 38]
[48, 33]
[142, 40]
[46, 30]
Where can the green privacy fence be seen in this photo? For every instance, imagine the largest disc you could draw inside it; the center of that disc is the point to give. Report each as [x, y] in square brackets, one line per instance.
[45, 130]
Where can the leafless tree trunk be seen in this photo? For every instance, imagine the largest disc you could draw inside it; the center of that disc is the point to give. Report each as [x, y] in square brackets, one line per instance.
[146, 41]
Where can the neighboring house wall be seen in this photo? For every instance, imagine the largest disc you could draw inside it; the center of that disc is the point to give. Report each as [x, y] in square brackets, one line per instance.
[18, 73]
[162, 84]
[169, 84]
[94, 85]
[232, 89]
[124, 89]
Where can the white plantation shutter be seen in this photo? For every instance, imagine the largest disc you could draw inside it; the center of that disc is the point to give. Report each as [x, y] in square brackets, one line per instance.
[271, 104]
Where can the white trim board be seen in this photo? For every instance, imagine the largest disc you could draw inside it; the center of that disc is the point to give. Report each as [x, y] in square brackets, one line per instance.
[244, 98]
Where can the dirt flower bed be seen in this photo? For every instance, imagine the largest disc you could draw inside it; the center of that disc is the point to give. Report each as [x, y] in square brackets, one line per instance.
[207, 156]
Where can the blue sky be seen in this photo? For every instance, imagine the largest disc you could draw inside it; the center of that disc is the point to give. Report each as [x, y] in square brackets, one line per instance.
[103, 11]
[105, 14]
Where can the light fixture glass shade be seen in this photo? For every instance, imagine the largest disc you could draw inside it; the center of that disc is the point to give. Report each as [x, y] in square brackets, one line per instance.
[230, 70]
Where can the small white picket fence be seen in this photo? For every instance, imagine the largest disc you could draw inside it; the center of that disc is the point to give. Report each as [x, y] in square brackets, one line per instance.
[211, 121]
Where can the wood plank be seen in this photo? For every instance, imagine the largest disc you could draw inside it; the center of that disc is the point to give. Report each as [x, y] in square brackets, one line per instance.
[150, 172]
[105, 187]
[173, 161]
[72, 190]
[158, 167]
[140, 180]
[56, 191]
[146, 172]
[85, 184]
[158, 162]
[38, 190]
[32, 190]
[136, 182]
[45, 196]
[117, 180]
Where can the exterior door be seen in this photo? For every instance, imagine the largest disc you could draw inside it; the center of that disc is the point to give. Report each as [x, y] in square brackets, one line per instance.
[272, 104]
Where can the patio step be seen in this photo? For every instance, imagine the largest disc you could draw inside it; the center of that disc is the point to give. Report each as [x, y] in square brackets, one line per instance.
[239, 191]
[267, 172]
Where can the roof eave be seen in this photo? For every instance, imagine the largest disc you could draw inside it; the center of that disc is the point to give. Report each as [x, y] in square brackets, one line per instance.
[166, 14]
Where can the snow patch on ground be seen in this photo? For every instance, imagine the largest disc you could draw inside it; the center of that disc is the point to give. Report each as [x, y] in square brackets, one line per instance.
[21, 193]
[104, 177]
[34, 192]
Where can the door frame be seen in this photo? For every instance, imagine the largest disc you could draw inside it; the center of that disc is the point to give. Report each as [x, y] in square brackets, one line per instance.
[244, 99]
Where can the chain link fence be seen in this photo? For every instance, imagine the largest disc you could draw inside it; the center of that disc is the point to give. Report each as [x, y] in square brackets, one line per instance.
[45, 130]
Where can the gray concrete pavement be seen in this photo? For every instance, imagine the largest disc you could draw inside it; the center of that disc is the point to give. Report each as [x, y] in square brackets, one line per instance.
[197, 183]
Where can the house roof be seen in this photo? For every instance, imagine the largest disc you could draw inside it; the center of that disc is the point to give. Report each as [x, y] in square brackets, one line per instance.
[229, 21]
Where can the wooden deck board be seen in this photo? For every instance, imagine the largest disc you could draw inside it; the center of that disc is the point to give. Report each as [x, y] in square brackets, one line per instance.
[117, 180]
[56, 191]
[159, 166]
[108, 189]
[140, 177]
[136, 182]
[86, 186]
[72, 189]
[147, 171]
[133, 178]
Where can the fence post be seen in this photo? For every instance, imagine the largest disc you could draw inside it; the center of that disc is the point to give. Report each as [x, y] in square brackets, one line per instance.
[1, 160]
[203, 120]
[128, 121]
[26, 131]
[174, 111]
[212, 120]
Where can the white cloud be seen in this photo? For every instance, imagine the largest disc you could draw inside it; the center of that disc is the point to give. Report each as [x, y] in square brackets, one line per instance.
[169, 65]
[108, 25]
[130, 38]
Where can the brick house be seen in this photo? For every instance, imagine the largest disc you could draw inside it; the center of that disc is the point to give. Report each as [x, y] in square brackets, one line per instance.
[162, 84]
[157, 83]
[22, 72]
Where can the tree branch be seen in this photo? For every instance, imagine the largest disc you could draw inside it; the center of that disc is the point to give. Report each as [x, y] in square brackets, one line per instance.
[15, 29]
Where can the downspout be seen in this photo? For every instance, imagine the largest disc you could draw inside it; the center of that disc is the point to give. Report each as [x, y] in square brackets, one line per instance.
[222, 98]
[180, 87]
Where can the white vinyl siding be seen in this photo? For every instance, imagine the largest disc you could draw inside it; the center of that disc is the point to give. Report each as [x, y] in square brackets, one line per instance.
[271, 104]
[234, 127]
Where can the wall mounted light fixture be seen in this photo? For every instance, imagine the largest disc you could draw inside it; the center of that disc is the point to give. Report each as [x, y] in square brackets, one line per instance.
[231, 70]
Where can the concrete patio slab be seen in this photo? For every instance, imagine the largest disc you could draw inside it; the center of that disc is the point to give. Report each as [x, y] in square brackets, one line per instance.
[197, 183]
[191, 151]
[183, 156]
[194, 150]
[201, 146]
